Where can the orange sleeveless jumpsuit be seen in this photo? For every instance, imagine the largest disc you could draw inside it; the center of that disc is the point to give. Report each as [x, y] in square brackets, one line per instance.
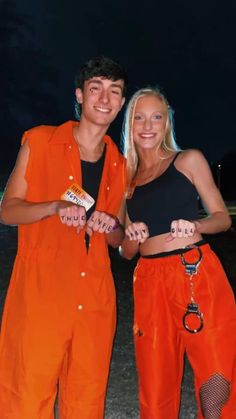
[60, 313]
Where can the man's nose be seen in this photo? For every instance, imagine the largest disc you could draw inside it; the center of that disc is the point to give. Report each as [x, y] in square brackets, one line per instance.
[104, 97]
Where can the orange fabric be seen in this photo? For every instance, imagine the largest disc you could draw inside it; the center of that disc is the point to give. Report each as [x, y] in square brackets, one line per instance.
[161, 295]
[59, 317]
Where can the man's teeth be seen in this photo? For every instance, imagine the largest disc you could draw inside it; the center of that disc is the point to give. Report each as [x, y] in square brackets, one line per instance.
[105, 110]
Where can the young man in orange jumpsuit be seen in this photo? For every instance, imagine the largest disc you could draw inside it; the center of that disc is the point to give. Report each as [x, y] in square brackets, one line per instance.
[59, 317]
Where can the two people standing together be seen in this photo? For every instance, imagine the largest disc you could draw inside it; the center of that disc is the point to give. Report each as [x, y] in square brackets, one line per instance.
[59, 317]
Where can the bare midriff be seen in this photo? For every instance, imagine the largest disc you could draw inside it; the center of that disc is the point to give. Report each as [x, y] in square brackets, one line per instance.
[164, 243]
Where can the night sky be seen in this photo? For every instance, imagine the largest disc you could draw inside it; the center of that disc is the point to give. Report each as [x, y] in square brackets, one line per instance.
[186, 47]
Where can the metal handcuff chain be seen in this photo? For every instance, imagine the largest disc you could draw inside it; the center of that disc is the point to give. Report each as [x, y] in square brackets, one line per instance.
[191, 269]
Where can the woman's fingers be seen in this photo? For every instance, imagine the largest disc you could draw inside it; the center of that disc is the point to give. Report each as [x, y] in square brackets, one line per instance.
[182, 228]
[137, 231]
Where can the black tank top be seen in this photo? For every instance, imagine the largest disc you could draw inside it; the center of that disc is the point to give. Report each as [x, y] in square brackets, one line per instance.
[91, 178]
[171, 196]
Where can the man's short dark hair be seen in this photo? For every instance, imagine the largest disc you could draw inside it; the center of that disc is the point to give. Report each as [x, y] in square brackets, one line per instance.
[101, 66]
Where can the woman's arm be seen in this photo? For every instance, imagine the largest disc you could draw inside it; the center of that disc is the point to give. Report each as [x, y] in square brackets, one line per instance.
[194, 165]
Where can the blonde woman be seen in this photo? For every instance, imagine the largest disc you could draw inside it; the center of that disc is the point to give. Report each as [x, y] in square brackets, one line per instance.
[183, 301]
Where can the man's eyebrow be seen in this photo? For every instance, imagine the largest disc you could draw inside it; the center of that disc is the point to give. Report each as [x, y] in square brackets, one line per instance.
[117, 85]
[100, 82]
[94, 81]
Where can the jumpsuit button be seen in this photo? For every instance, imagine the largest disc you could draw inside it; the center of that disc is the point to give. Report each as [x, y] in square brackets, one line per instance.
[71, 177]
[114, 164]
[108, 188]
[80, 307]
[70, 147]
[82, 273]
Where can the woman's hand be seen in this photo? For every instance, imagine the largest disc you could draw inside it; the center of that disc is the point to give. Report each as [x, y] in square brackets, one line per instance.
[137, 231]
[181, 228]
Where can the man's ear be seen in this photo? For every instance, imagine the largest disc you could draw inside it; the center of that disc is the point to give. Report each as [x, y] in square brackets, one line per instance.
[79, 95]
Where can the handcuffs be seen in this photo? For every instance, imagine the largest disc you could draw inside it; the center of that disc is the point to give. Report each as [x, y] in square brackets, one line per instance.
[192, 308]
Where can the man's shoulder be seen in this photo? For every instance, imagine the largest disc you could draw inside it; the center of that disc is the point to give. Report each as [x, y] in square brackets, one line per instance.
[45, 133]
[39, 133]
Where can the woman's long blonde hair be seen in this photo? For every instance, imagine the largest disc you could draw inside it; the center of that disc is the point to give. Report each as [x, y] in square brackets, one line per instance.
[129, 149]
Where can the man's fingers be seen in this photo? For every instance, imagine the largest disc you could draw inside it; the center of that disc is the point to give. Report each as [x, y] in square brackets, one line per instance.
[101, 222]
[89, 231]
[73, 216]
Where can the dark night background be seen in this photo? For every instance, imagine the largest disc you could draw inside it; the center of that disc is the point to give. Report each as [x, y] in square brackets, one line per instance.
[186, 47]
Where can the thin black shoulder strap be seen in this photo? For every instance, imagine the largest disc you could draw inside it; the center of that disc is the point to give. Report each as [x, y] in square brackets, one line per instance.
[177, 154]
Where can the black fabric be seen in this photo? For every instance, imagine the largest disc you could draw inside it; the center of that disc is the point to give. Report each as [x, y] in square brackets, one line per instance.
[169, 197]
[91, 178]
[174, 252]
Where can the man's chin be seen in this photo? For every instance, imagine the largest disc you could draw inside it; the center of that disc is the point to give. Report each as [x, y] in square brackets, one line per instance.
[104, 121]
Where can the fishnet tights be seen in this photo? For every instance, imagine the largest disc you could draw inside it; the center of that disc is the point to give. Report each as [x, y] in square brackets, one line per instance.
[213, 395]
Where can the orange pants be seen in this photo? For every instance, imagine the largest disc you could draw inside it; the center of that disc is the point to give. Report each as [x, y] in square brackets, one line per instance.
[161, 295]
[52, 332]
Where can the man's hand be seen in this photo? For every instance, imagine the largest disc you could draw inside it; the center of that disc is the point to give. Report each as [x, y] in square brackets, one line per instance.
[101, 222]
[72, 215]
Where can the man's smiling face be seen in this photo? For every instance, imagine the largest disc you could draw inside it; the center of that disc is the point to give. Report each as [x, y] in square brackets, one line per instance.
[101, 100]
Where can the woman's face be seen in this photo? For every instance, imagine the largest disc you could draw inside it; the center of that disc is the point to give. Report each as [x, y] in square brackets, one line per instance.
[149, 123]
